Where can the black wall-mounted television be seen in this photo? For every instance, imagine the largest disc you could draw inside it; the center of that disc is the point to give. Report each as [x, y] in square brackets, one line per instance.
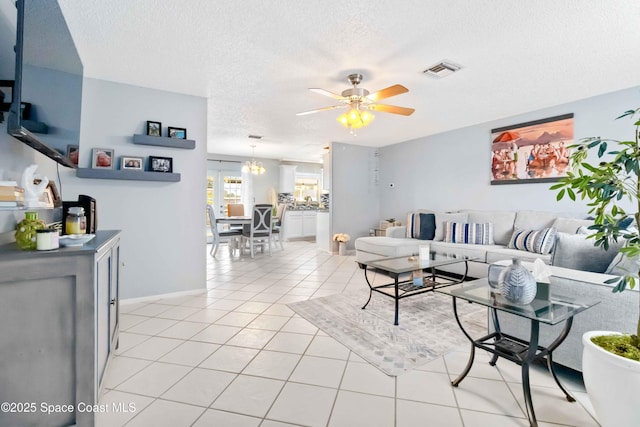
[47, 94]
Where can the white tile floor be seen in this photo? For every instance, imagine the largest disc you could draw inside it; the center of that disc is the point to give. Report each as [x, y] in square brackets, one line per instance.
[236, 355]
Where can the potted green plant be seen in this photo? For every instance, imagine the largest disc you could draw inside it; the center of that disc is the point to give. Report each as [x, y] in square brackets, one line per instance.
[611, 360]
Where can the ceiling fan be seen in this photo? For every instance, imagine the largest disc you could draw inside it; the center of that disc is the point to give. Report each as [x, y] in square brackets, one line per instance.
[360, 102]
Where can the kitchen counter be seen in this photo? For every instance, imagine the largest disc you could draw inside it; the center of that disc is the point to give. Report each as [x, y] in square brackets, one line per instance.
[302, 208]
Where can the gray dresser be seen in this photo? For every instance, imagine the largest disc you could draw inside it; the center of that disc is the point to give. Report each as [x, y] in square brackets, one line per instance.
[58, 326]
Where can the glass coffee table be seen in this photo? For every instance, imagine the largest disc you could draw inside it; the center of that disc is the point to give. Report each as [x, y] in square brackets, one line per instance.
[398, 268]
[547, 308]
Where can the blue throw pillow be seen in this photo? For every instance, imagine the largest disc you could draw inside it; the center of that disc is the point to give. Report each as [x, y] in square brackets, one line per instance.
[427, 226]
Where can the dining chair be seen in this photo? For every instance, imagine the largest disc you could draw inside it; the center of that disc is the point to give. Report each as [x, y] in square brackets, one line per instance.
[232, 236]
[280, 213]
[235, 209]
[259, 231]
[278, 230]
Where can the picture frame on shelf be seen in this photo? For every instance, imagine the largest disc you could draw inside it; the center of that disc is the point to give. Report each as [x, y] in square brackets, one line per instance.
[131, 163]
[47, 198]
[102, 158]
[55, 194]
[73, 153]
[154, 128]
[51, 196]
[179, 133]
[161, 164]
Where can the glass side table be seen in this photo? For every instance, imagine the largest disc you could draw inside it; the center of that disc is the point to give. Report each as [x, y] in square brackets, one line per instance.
[546, 308]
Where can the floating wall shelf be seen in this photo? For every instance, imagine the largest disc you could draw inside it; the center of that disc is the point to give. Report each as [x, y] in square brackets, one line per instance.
[163, 141]
[130, 175]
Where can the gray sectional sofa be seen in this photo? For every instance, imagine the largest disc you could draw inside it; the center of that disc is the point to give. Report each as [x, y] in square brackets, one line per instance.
[569, 264]
[395, 243]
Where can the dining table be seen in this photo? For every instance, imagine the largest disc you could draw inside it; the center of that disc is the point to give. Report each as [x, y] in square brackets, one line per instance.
[234, 220]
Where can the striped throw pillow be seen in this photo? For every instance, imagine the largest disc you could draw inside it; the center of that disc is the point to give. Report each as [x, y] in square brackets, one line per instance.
[413, 225]
[536, 241]
[479, 234]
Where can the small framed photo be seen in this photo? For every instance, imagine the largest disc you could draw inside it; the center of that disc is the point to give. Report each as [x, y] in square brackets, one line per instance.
[102, 158]
[73, 151]
[160, 164]
[154, 128]
[179, 133]
[55, 194]
[47, 198]
[131, 163]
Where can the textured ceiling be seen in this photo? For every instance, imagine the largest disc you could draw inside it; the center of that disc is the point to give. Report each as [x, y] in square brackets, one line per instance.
[255, 60]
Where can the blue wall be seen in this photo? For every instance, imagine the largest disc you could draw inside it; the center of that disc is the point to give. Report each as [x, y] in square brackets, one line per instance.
[452, 170]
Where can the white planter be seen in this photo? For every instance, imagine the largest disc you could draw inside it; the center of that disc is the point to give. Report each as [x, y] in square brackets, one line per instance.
[342, 248]
[612, 382]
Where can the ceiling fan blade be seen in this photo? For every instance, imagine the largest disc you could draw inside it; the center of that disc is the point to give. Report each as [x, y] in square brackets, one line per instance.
[392, 109]
[327, 93]
[333, 107]
[387, 92]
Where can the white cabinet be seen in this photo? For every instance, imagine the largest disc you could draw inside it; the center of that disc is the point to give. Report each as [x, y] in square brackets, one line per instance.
[299, 224]
[293, 224]
[287, 179]
[309, 223]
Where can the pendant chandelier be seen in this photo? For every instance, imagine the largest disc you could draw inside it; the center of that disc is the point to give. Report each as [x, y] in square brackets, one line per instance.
[253, 166]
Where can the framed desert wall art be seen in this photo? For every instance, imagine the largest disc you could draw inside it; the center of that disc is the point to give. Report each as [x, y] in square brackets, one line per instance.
[531, 152]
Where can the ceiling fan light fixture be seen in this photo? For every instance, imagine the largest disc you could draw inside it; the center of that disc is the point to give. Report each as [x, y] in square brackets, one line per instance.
[356, 118]
[361, 102]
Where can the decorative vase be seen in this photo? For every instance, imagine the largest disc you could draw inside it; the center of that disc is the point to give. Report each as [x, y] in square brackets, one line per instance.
[517, 284]
[26, 231]
[612, 383]
[342, 248]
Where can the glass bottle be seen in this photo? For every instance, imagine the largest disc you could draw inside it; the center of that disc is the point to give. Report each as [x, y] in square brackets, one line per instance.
[76, 222]
[26, 231]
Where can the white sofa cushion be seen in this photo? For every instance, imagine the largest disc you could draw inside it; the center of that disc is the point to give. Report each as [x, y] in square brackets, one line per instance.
[500, 254]
[502, 223]
[388, 246]
[623, 265]
[577, 252]
[477, 252]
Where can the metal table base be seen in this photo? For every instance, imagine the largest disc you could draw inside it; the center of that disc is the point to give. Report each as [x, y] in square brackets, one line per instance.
[406, 288]
[518, 351]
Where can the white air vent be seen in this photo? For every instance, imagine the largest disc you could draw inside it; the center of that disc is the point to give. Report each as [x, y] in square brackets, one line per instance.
[441, 70]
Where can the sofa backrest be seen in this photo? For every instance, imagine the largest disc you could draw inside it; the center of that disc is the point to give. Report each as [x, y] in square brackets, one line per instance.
[571, 225]
[506, 222]
[502, 223]
[534, 220]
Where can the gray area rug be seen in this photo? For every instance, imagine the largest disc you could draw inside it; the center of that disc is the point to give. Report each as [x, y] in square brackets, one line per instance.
[427, 327]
